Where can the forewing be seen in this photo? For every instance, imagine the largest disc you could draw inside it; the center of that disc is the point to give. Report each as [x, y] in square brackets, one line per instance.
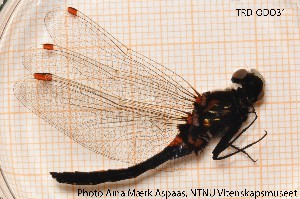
[93, 119]
[135, 90]
[82, 35]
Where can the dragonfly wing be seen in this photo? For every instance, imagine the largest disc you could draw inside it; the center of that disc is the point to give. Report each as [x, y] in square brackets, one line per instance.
[94, 120]
[136, 88]
[115, 101]
[81, 34]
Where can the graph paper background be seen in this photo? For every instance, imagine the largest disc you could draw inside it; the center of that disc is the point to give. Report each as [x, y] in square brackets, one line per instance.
[205, 42]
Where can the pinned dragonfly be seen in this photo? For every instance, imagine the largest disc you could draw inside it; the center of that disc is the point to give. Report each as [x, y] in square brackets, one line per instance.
[125, 106]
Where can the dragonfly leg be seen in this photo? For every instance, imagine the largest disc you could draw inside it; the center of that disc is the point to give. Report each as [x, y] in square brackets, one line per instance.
[235, 147]
[242, 149]
[225, 141]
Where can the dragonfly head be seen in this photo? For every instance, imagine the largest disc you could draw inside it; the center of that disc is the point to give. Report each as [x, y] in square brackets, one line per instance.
[252, 83]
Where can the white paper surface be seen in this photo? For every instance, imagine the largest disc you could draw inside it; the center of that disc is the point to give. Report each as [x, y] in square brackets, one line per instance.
[204, 43]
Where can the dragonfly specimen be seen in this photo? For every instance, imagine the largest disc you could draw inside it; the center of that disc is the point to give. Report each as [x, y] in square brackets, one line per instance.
[125, 106]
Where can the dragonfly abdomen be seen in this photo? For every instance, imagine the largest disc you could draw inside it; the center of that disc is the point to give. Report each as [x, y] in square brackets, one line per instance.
[173, 151]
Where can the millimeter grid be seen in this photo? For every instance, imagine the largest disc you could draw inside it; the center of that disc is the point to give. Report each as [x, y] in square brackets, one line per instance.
[203, 42]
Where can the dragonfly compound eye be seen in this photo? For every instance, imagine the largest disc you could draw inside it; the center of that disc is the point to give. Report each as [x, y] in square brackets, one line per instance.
[239, 75]
[260, 96]
[252, 82]
[254, 87]
[262, 92]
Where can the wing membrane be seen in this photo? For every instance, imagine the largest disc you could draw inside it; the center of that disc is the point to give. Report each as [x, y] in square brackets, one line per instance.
[92, 119]
[83, 35]
[123, 85]
[105, 96]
